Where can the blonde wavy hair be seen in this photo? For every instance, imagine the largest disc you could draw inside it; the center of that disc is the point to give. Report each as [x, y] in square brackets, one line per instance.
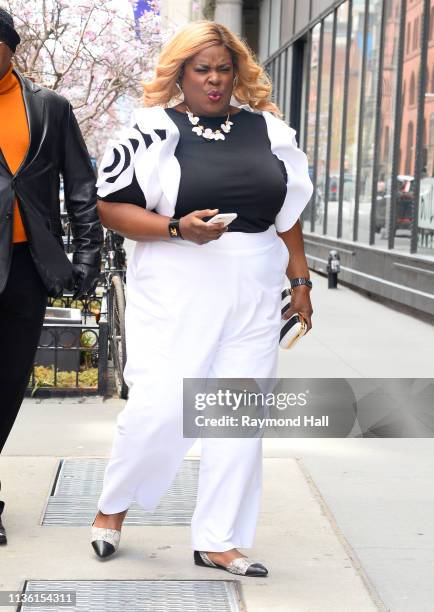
[253, 86]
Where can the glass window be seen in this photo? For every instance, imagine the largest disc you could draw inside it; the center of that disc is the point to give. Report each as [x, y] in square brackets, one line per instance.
[271, 73]
[412, 90]
[431, 24]
[274, 26]
[288, 77]
[352, 119]
[416, 33]
[287, 25]
[301, 14]
[311, 113]
[323, 135]
[318, 6]
[302, 89]
[425, 221]
[369, 116]
[278, 77]
[283, 92]
[336, 128]
[405, 179]
[387, 120]
[264, 33]
[409, 149]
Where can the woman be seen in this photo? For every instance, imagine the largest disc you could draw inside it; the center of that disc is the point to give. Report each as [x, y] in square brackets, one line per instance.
[203, 299]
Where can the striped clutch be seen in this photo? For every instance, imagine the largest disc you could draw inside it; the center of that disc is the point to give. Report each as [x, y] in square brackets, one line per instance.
[291, 329]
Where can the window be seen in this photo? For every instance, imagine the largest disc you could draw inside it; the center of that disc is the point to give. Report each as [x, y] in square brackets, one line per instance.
[408, 37]
[425, 217]
[429, 169]
[288, 82]
[409, 152]
[352, 120]
[388, 111]
[431, 24]
[341, 162]
[311, 114]
[287, 21]
[336, 127]
[402, 193]
[415, 33]
[264, 33]
[386, 142]
[282, 72]
[323, 135]
[366, 179]
[412, 90]
[274, 26]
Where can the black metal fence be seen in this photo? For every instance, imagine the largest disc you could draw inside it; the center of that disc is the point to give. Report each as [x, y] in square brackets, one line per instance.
[90, 307]
[73, 352]
[72, 358]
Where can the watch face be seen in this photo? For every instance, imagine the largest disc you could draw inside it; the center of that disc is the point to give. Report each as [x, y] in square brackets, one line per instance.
[174, 229]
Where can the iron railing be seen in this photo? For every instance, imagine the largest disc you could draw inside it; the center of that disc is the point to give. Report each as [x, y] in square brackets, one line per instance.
[72, 359]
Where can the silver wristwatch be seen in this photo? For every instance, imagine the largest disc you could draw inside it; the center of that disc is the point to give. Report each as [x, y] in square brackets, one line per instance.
[295, 282]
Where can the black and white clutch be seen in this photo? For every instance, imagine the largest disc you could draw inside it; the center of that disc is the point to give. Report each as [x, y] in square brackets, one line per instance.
[291, 329]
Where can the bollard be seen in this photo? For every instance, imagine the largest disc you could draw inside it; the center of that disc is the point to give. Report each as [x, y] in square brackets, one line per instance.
[333, 269]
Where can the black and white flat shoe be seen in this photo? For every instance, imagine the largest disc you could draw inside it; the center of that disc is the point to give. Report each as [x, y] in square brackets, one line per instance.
[3, 539]
[243, 566]
[104, 541]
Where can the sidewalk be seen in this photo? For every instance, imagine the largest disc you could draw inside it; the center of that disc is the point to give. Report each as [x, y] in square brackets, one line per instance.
[309, 567]
[345, 523]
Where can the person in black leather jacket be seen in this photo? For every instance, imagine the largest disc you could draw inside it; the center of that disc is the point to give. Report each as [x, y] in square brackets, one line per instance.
[39, 141]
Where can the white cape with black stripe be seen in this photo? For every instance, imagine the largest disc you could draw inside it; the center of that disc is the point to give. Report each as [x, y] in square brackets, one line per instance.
[141, 165]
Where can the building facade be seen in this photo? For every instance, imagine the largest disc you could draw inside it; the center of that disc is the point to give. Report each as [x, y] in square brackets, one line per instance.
[355, 78]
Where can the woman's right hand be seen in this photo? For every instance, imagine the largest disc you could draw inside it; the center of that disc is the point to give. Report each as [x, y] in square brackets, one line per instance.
[194, 229]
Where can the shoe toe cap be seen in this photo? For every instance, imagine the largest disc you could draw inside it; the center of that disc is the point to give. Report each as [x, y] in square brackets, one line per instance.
[103, 549]
[3, 539]
[257, 569]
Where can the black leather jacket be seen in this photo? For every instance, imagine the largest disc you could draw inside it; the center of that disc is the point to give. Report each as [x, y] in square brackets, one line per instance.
[56, 147]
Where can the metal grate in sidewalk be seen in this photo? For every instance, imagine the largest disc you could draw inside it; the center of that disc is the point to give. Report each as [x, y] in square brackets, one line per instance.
[139, 595]
[78, 485]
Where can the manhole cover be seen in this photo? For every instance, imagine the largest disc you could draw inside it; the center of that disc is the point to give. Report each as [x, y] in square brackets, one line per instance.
[138, 595]
[78, 485]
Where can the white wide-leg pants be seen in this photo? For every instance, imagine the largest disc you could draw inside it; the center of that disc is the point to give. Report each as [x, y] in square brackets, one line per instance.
[196, 311]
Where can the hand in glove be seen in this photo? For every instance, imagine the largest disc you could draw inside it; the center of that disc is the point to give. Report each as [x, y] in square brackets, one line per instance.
[85, 279]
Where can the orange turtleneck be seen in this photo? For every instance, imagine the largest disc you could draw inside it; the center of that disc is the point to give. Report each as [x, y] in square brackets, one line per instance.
[14, 136]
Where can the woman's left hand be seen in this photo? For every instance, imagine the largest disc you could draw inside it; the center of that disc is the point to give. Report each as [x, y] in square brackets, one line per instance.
[300, 303]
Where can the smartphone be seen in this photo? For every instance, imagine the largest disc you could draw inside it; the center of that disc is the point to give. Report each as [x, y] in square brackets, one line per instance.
[226, 218]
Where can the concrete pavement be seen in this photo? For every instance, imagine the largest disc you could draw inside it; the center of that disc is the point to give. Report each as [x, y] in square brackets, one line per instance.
[310, 567]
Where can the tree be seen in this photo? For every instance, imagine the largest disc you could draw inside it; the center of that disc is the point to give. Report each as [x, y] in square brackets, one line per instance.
[93, 53]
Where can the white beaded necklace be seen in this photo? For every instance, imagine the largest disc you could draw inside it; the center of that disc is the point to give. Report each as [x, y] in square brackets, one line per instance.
[208, 133]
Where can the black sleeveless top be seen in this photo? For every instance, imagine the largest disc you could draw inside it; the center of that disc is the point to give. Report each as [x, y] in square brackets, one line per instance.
[239, 174]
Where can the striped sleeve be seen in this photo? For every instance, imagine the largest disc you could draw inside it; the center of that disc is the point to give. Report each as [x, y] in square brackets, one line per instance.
[299, 184]
[126, 167]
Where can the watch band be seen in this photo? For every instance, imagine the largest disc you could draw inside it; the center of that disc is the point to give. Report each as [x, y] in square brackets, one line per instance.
[302, 280]
[174, 230]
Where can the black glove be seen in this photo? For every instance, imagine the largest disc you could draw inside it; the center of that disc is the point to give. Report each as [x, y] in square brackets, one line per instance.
[85, 279]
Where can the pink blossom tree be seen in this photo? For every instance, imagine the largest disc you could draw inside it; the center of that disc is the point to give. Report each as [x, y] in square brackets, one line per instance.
[92, 52]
